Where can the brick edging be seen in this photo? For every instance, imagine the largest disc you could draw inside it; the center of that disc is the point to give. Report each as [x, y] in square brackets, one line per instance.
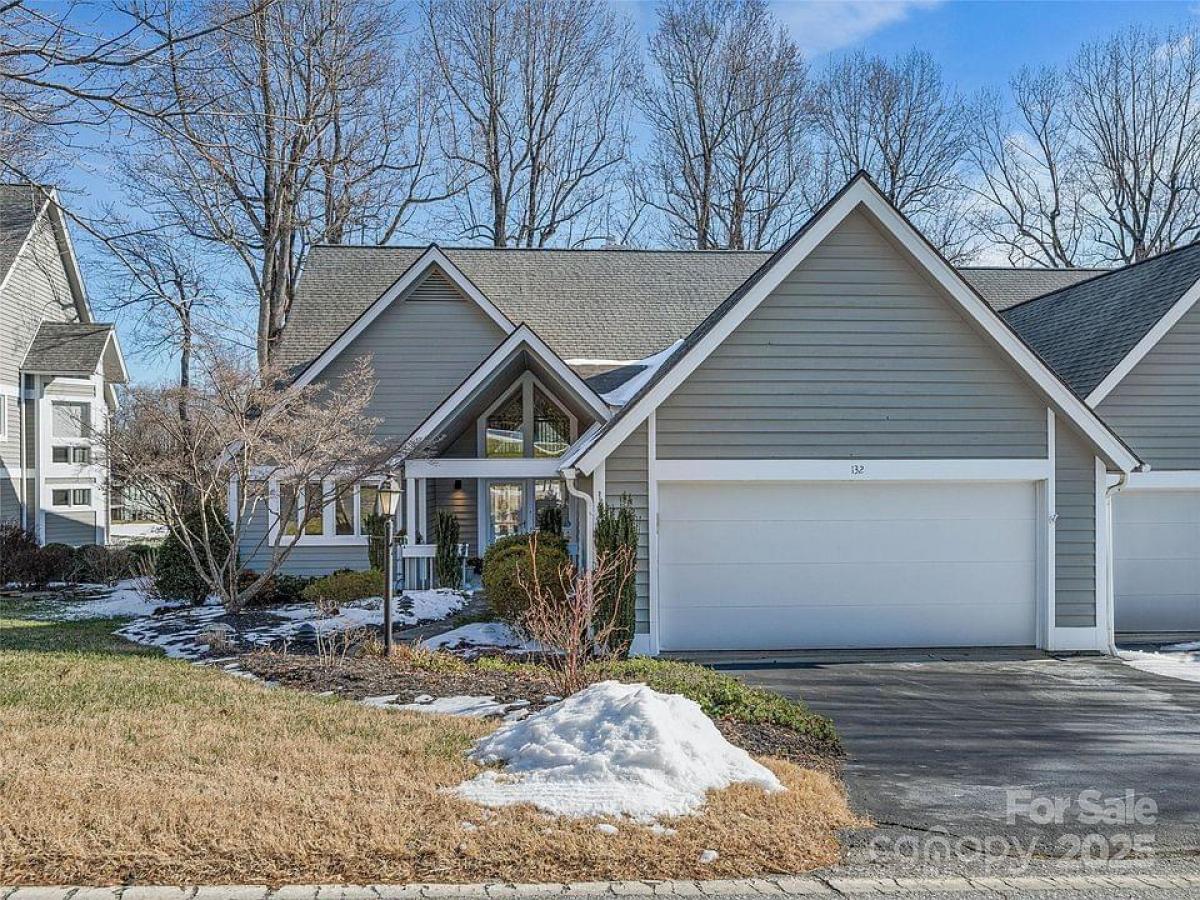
[831, 886]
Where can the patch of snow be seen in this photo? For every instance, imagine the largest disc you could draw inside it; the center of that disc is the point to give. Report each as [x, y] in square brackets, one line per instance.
[465, 705]
[133, 532]
[709, 856]
[479, 635]
[468, 826]
[429, 606]
[387, 701]
[423, 698]
[1188, 646]
[1169, 662]
[662, 830]
[125, 600]
[605, 828]
[623, 393]
[612, 749]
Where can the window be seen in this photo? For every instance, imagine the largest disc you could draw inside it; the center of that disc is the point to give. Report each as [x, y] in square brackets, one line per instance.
[71, 497]
[329, 513]
[80, 456]
[548, 494]
[366, 505]
[289, 507]
[343, 510]
[314, 508]
[71, 420]
[551, 426]
[505, 434]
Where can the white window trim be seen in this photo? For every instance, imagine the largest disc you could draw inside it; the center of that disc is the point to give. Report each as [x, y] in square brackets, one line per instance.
[861, 193]
[80, 486]
[327, 538]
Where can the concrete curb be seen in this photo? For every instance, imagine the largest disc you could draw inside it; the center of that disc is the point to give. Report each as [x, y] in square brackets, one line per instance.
[832, 886]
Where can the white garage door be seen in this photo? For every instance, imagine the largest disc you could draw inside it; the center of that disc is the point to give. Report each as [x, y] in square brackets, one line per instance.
[1156, 561]
[772, 566]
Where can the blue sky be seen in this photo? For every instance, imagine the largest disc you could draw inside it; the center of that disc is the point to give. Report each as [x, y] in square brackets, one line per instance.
[979, 44]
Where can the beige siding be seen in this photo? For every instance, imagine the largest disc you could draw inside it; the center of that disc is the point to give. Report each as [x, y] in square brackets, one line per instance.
[1075, 530]
[74, 528]
[420, 351]
[1156, 407]
[625, 474]
[855, 355]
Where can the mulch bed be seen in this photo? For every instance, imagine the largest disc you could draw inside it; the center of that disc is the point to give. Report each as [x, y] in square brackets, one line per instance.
[357, 677]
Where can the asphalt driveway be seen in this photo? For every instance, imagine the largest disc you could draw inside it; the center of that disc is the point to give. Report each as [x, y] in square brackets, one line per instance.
[944, 744]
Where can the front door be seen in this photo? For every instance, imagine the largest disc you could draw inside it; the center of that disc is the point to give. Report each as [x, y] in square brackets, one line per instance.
[506, 509]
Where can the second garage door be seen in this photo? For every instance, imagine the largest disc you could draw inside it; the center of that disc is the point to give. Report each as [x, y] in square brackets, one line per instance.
[1156, 561]
[772, 566]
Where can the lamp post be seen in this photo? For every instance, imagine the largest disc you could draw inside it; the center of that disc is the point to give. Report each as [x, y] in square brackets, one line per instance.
[386, 499]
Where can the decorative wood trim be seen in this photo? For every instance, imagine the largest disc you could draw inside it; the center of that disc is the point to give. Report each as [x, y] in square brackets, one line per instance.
[852, 470]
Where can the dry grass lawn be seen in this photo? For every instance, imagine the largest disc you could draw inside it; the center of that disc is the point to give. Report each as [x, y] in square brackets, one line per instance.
[118, 766]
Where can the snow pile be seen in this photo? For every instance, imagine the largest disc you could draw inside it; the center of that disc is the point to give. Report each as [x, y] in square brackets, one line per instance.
[1176, 661]
[623, 393]
[612, 749]
[428, 606]
[125, 600]
[481, 635]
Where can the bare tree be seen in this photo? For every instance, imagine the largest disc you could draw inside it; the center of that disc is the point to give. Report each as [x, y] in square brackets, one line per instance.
[1030, 179]
[899, 122]
[245, 431]
[299, 122]
[1102, 162]
[537, 95]
[727, 111]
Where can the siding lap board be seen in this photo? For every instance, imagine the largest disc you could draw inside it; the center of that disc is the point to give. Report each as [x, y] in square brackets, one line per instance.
[855, 355]
[1074, 530]
[626, 473]
[1156, 407]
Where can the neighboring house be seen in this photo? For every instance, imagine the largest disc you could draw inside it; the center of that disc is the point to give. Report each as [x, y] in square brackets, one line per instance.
[1129, 342]
[840, 444]
[58, 372]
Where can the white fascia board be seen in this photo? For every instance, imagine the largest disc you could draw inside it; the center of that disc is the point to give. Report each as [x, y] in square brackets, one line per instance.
[1145, 345]
[414, 273]
[863, 194]
[492, 363]
[115, 344]
[852, 469]
[74, 274]
[1181, 480]
[448, 467]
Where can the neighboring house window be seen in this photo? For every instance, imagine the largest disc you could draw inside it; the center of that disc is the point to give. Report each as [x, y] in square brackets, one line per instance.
[505, 434]
[80, 456]
[71, 420]
[71, 497]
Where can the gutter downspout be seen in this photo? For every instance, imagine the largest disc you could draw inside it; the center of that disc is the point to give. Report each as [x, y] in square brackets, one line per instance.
[569, 475]
[1109, 493]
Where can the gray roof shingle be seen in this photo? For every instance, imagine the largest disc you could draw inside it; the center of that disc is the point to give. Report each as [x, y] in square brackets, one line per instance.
[1083, 332]
[1003, 288]
[586, 304]
[67, 348]
[19, 207]
[619, 305]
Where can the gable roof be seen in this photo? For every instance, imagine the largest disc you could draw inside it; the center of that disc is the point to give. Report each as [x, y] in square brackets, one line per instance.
[75, 349]
[862, 193]
[604, 305]
[20, 206]
[1087, 332]
[1006, 287]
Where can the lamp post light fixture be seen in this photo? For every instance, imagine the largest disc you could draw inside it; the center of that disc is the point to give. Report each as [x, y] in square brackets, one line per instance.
[386, 500]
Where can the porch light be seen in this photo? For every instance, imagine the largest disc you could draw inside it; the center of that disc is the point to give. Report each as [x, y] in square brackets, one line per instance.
[458, 484]
[387, 497]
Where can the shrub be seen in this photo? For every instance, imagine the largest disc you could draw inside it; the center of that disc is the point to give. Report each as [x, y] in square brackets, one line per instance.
[175, 575]
[375, 526]
[447, 565]
[53, 562]
[330, 592]
[15, 544]
[507, 563]
[104, 565]
[550, 519]
[617, 536]
[278, 590]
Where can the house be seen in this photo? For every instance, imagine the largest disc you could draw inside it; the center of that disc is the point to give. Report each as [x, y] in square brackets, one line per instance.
[839, 444]
[59, 369]
[1129, 342]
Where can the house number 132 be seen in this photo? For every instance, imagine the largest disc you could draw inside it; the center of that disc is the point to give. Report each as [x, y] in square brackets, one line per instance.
[858, 470]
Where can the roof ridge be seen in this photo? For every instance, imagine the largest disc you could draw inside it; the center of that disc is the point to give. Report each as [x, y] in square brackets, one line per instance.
[613, 250]
[1106, 273]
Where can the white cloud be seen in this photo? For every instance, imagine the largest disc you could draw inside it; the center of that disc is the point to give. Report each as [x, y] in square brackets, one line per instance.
[820, 26]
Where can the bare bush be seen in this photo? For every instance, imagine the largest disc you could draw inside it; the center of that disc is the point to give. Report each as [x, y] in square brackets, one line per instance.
[566, 618]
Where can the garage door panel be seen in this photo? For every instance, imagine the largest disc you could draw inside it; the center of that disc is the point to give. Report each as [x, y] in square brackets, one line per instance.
[1156, 561]
[880, 540]
[792, 565]
[803, 586]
